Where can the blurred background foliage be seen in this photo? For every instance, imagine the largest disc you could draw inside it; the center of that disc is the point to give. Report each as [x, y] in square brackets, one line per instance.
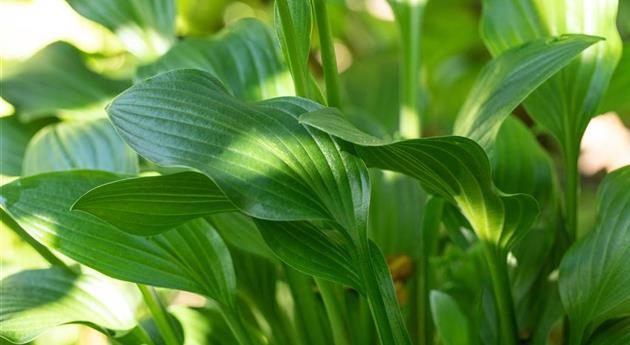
[367, 49]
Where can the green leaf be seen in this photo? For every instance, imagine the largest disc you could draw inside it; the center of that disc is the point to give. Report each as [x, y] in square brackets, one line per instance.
[316, 252]
[56, 81]
[239, 231]
[594, 273]
[245, 56]
[509, 78]
[451, 323]
[145, 27]
[616, 334]
[203, 326]
[564, 104]
[151, 205]
[15, 136]
[293, 20]
[615, 98]
[37, 300]
[191, 257]
[92, 144]
[455, 168]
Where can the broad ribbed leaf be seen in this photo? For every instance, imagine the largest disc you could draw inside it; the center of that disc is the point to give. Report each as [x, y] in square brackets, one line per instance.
[145, 27]
[313, 251]
[191, 257]
[37, 300]
[92, 144]
[455, 168]
[594, 274]
[245, 56]
[154, 204]
[56, 81]
[14, 136]
[509, 78]
[565, 103]
[451, 323]
[615, 334]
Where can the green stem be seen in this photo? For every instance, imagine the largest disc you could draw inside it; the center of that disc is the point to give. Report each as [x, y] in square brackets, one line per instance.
[409, 18]
[329, 61]
[506, 317]
[335, 315]
[236, 325]
[39, 248]
[432, 218]
[297, 66]
[571, 191]
[159, 314]
[306, 315]
[381, 296]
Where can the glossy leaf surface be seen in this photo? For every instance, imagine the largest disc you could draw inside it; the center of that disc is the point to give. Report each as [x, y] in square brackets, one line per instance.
[154, 204]
[92, 144]
[191, 257]
[246, 57]
[594, 274]
[34, 301]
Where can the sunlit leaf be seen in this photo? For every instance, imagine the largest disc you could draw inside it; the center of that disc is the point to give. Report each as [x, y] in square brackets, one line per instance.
[92, 144]
[594, 274]
[145, 27]
[509, 78]
[56, 81]
[37, 300]
[246, 57]
[151, 205]
[41, 205]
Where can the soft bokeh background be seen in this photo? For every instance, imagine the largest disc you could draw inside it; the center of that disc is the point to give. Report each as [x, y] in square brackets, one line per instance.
[367, 52]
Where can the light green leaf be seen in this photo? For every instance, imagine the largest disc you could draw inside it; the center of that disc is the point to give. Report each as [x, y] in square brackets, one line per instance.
[145, 27]
[203, 326]
[616, 98]
[293, 21]
[455, 168]
[37, 300]
[154, 204]
[92, 144]
[594, 273]
[451, 323]
[191, 257]
[246, 57]
[564, 104]
[509, 78]
[56, 81]
[316, 252]
[239, 231]
[14, 136]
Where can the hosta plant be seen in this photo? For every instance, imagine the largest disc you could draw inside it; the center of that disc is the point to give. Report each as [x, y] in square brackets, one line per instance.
[233, 165]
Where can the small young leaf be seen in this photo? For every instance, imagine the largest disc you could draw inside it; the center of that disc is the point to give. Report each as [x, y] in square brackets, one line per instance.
[56, 81]
[245, 56]
[145, 27]
[191, 257]
[451, 323]
[37, 300]
[594, 274]
[154, 204]
[92, 144]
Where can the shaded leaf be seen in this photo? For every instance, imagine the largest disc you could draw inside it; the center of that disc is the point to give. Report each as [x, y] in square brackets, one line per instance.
[13, 140]
[145, 27]
[151, 205]
[92, 144]
[450, 321]
[509, 78]
[245, 56]
[293, 22]
[203, 326]
[37, 300]
[238, 230]
[594, 273]
[56, 81]
[191, 257]
[616, 334]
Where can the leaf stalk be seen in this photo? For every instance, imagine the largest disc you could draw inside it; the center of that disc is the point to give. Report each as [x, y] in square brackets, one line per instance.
[329, 60]
[159, 314]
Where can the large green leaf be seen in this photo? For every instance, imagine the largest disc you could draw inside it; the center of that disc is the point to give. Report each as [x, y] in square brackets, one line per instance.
[455, 168]
[14, 136]
[245, 56]
[151, 205]
[564, 104]
[191, 257]
[451, 323]
[92, 144]
[56, 81]
[509, 78]
[145, 27]
[616, 334]
[37, 300]
[594, 274]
